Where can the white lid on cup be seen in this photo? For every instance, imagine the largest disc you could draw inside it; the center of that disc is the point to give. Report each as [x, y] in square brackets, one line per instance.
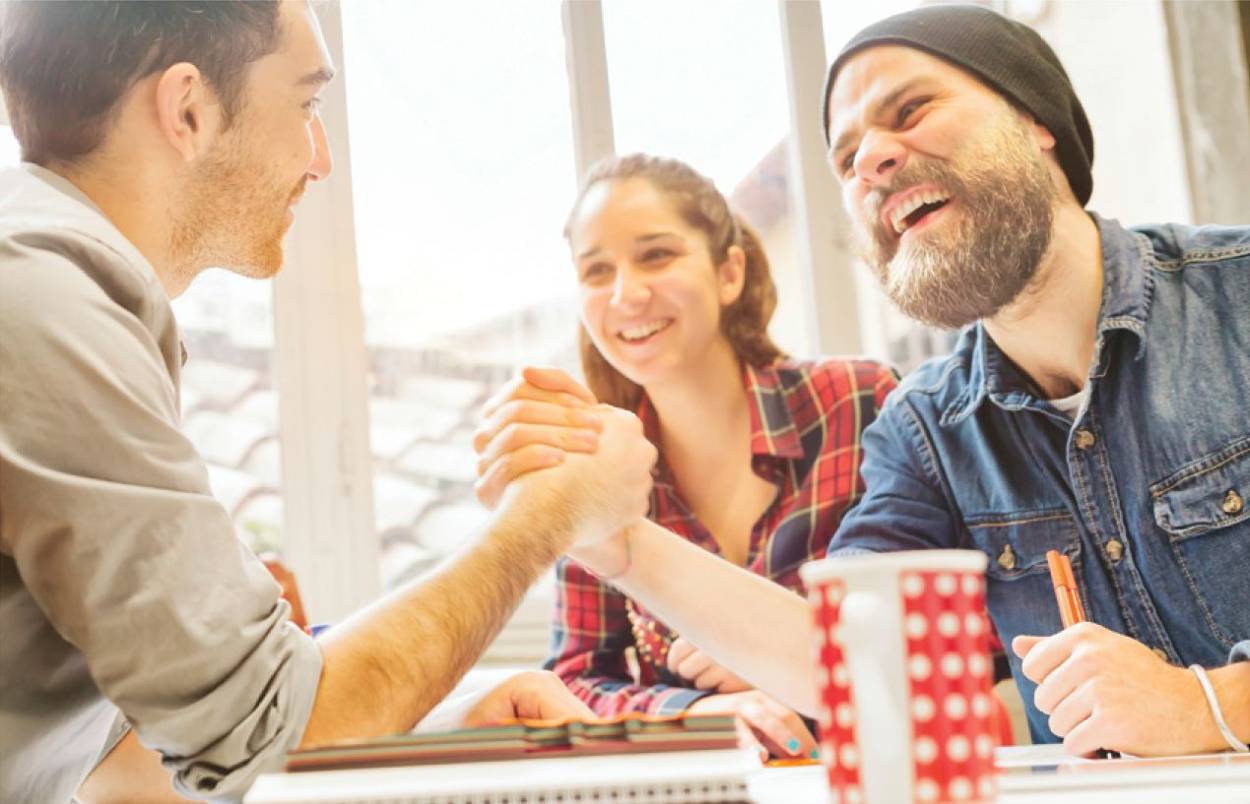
[859, 564]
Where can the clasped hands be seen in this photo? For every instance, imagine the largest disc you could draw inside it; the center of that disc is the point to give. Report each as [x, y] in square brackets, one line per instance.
[543, 435]
[545, 421]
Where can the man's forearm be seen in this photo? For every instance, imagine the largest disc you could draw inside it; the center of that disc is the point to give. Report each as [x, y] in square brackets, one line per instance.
[754, 627]
[388, 665]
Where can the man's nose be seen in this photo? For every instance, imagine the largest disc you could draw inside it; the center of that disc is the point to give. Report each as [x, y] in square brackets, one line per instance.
[879, 157]
[322, 161]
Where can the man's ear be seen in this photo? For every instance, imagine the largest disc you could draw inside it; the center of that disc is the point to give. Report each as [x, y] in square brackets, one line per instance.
[1045, 140]
[732, 275]
[187, 110]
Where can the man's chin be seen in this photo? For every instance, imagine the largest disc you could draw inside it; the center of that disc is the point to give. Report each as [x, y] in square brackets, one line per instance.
[261, 265]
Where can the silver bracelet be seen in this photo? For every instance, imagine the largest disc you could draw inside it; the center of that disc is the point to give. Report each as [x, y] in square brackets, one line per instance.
[1214, 704]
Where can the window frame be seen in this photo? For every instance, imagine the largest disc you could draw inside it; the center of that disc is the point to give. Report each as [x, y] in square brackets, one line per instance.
[320, 355]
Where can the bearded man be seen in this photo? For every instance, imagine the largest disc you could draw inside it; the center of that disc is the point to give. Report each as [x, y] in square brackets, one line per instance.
[1095, 405]
[159, 139]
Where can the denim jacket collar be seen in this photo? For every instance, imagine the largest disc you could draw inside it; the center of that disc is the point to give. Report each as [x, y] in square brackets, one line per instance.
[1126, 294]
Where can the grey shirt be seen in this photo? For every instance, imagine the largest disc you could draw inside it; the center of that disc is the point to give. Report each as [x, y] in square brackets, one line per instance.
[122, 583]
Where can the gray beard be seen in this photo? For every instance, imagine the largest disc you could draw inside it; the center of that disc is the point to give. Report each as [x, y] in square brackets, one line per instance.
[986, 258]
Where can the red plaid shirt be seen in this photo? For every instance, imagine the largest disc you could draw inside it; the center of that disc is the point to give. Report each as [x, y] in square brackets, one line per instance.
[806, 422]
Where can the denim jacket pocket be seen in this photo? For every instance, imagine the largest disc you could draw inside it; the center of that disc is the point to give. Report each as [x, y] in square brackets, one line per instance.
[1019, 591]
[1204, 507]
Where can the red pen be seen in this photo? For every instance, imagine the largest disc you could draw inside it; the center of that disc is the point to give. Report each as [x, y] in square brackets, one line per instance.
[1070, 609]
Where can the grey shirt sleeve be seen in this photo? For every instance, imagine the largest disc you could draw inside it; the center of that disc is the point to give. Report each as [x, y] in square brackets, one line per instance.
[1240, 652]
[108, 515]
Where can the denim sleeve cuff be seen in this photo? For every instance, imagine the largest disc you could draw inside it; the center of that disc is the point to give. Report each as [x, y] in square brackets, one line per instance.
[849, 550]
[1240, 652]
[678, 699]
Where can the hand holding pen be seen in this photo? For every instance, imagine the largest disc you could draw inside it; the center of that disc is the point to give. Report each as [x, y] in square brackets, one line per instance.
[1104, 690]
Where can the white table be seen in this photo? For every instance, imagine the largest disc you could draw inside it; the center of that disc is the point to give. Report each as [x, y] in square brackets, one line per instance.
[1031, 775]
[1055, 777]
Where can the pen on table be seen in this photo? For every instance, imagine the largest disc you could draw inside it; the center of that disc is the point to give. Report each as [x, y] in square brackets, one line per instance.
[1070, 609]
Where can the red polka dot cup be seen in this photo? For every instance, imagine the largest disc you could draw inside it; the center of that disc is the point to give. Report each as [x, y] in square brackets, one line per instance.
[903, 669]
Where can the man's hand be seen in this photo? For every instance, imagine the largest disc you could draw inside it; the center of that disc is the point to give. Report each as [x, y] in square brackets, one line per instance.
[777, 729]
[544, 432]
[533, 695]
[529, 694]
[530, 424]
[692, 664]
[1104, 690]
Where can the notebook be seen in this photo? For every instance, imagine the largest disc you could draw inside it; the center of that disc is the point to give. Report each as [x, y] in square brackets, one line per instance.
[634, 758]
[684, 777]
[527, 739]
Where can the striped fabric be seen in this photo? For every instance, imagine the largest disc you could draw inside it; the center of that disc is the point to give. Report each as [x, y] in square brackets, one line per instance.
[806, 423]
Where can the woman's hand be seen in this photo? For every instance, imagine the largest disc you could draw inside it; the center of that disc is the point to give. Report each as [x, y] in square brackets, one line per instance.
[530, 424]
[695, 666]
[777, 729]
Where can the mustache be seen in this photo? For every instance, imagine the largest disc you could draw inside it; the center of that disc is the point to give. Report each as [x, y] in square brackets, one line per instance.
[299, 190]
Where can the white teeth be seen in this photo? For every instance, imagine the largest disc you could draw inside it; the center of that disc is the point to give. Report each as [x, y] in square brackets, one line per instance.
[643, 331]
[898, 216]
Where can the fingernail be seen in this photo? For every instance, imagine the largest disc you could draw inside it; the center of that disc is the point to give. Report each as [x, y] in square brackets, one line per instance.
[793, 745]
[815, 753]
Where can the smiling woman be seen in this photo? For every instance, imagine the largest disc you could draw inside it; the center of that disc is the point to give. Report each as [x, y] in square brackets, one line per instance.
[676, 298]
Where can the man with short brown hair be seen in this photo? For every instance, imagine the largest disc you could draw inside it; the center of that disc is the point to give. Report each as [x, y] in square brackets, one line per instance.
[162, 138]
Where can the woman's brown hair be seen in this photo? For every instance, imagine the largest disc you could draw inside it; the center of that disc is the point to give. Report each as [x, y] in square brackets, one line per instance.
[744, 323]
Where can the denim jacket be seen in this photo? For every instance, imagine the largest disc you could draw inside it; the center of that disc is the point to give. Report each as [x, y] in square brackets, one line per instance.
[1146, 489]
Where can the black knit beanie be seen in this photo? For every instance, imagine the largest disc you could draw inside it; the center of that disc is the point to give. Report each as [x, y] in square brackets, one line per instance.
[1008, 56]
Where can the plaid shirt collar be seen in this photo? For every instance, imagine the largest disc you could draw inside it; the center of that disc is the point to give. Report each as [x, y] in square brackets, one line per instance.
[773, 433]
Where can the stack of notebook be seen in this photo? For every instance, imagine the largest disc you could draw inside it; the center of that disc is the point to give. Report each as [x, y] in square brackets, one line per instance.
[527, 739]
[635, 758]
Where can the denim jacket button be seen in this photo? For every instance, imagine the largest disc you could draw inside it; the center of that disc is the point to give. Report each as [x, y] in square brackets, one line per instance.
[1115, 550]
[1084, 439]
[1007, 558]
[1232, 502]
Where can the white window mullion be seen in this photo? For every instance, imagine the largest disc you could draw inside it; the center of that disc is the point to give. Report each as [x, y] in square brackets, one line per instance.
[322, 370]
[834, 315]
[589, 96]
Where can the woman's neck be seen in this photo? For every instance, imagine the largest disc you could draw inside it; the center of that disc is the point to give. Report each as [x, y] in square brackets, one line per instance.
[704, 409]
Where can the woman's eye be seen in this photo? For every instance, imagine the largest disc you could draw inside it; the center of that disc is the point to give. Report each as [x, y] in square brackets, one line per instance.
[595, 271]
[655, 254]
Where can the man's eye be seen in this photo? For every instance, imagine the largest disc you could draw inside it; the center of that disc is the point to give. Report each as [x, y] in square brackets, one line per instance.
[905, 111]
